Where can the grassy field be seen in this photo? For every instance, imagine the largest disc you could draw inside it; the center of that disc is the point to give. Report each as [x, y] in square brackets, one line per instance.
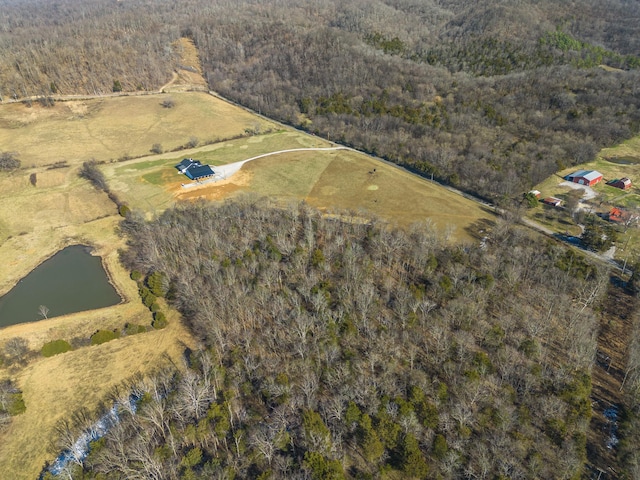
[114, 127]
[329, 180]
[61, 209]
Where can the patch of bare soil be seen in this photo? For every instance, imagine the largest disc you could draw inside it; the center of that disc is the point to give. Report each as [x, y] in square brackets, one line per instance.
[607, 377]
[213, 191]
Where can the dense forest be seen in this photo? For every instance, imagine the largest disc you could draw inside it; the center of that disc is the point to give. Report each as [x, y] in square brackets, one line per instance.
[490, 96]
[340, 349]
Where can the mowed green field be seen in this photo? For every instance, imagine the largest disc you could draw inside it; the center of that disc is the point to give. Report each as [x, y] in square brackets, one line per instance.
[111, 128]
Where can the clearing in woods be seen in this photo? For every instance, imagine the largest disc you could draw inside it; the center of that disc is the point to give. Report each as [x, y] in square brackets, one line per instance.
[329, 180]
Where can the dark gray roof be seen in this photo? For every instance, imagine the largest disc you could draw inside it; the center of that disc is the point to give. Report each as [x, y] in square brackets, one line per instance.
[199, 171]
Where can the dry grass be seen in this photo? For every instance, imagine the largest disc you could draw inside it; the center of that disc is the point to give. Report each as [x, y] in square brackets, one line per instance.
[345, 180]
[111, 128]
[188, 73]
[54, 388]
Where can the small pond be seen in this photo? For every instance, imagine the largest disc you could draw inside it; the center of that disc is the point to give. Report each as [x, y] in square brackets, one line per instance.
[624, 160]
[71, 281]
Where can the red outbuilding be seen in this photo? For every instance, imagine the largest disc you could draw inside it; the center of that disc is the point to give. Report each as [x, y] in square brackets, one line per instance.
[585, 177]
[623, 183]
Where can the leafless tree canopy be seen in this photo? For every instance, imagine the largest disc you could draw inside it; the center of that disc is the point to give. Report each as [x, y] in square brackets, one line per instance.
[333, 342]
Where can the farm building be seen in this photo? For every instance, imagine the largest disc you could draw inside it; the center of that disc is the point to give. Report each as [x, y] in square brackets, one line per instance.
[585, 177]
[553, 201]
[535, 193]
[617, 215]
[194, 170]
[622, 183]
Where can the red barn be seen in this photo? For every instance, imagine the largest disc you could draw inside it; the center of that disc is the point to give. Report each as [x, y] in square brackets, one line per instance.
[623, 183]
[585, 177]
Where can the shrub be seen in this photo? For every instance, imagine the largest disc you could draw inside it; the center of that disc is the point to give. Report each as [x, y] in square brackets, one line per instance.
[156, 148]
[133, 329]
[124, 210]
[9, 161]
[147, 297]
[168, 103]
[136, 275]
[103, 336]
[157, 283]
[16, 404]
[55, 347]
[90, 171]
[159, 320]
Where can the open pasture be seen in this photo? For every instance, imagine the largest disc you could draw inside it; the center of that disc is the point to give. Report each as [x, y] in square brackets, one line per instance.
[111, 128]
[329, 180]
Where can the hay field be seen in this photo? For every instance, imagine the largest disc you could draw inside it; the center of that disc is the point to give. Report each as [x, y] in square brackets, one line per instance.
[111, 128]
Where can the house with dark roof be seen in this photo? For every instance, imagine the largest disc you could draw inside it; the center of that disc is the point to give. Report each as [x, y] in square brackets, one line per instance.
[198, 172]
[194, 170]
[186, 164]
[622, 183]
[585, 177]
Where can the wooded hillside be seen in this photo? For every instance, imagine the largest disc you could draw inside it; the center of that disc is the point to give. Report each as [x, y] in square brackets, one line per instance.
[489, 96]
[339, 349]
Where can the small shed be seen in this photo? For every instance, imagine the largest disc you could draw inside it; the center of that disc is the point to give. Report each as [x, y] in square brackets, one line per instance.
[585, 177]
[622, 183]
[535, 193]
[553, 201]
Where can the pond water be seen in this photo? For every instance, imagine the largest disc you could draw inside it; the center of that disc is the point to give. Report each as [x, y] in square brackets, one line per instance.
[624, 160]
[71, 281]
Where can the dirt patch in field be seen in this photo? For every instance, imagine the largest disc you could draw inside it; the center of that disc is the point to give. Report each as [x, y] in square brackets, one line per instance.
[214, 191]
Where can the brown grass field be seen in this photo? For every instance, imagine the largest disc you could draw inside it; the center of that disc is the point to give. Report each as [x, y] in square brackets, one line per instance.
[62, 209]
[111, 128]
[331, 180]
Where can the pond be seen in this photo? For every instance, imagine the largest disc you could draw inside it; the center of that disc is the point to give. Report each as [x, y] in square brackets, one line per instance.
[71, 281]
[624, 160]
